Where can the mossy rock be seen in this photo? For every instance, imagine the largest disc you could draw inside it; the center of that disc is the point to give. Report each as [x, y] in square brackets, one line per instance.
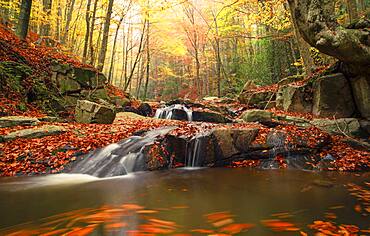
[89, 78]
[12, 74]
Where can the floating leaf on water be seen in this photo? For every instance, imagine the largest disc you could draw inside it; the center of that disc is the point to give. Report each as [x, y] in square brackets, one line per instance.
[236, 228]
[147, 211]
[202, 231]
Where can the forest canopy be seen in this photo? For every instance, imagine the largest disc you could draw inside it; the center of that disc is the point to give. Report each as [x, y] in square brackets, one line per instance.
[159, 49]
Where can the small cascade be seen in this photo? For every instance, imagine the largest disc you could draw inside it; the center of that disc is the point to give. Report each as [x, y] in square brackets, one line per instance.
[195, 154]
[175, 112]
[120, 158]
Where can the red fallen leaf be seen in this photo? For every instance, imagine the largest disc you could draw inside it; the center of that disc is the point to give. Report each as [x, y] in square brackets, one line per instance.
[55, 232]
[148, 228]
[203, 231]
[278, 225]
[146, 212]
[82, 231]
[218, 216]
[116, 225]
[163, 223]
[236, 228]
[222, 222]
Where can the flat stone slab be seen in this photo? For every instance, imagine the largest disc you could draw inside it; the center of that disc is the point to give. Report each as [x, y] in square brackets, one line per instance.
[256, 115]
[349, 126]
[40, 132]
[10, 121]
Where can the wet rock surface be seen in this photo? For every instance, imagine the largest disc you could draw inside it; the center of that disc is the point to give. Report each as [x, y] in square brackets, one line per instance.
[39, 132]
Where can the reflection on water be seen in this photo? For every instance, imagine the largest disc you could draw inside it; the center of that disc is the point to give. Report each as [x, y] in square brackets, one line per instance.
[186, 202]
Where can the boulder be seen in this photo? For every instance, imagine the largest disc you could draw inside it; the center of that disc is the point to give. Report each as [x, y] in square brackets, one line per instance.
[233, 141]
[10, 121]
[257, 116]
[43, 131]
[333, 97]
[212, 117]
[89, 78]
[67, 85]
[145, 109]
[361, 93]
[259, 99]
[119, 101]
[93, 113]
[294, 98]
[349, 126]
[365, 126]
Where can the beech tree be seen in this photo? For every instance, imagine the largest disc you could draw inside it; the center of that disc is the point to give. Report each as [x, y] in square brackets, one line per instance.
[24, 18]
[317, 25]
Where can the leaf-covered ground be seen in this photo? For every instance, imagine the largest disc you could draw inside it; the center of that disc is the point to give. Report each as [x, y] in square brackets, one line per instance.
[51, 154]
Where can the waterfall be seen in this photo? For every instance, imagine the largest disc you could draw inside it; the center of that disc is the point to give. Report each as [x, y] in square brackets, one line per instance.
[174, 112]
[195, 154]
[120, 158]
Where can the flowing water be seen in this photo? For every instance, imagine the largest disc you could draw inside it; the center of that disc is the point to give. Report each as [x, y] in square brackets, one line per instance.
[120, 158]
[179, 201]
[174, 112]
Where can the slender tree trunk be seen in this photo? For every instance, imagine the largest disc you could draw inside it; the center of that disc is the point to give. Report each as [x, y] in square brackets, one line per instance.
[59, 20]
[73, 39]
[24, 18]
[103, 50]
[91, 36]
[86, 42]
[114, 49]
[147, 55]
[352, 10]
[68, 21]
[45, 28]
[137, 57]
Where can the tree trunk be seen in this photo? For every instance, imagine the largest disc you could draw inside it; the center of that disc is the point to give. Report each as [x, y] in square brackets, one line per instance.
[147, 58]
[103, 50]
[68, 21]
[317, 25]
[137, 57]
[24, 18]
[86, 42]
[352, 10]
[114, 49]
[59, 21]
[45, 28]
[91, 36]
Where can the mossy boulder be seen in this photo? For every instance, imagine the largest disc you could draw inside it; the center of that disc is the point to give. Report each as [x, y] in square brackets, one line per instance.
[295, 98]
[258, 99]
[349, 126]
[89, 78]
[361, 93]
[333, 97]
[257, 116]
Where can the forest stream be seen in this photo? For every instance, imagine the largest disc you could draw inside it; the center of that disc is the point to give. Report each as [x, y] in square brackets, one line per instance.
[196, 201]
[181, 118]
